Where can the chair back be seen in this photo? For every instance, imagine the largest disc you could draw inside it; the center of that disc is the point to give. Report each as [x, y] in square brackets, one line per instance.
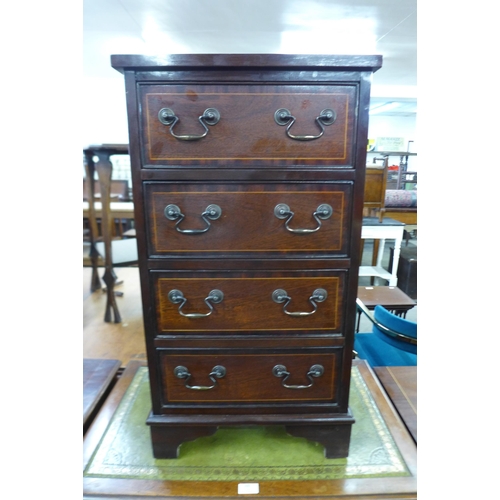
[397, 324]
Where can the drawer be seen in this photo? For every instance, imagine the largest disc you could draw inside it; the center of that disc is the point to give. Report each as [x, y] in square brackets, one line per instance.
[245, 218]
[247, 124]
[248, 377]
[251, 302]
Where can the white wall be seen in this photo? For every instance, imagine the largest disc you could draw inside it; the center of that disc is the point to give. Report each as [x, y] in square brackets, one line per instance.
[106, 123]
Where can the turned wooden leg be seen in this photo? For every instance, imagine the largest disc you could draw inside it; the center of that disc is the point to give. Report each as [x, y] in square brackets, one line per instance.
[166, 440]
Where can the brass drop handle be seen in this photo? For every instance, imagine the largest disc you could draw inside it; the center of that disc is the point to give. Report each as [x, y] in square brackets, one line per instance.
[177, 297]
[209, 117]
[183, 373]
[283, 117]
[282, 211]
[315, 371]
[280, 296]
[173, 212]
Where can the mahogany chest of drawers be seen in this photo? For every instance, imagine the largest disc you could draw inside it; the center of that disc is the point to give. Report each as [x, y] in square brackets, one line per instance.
[248, 178]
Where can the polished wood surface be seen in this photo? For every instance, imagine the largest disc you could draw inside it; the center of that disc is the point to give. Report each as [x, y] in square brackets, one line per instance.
[248, 222]
[406, 215]
[243, 295]
[98, 378]
[248, 111]
[347, 489]
[104, 340]
[400, 382]
[248, 378]
[390, 297]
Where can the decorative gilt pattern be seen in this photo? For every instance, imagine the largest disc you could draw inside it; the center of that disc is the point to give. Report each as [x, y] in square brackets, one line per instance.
[125, 449]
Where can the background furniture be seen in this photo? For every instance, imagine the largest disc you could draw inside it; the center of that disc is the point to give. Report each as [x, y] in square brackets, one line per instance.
[98, 379]
[400, 383]
[122, 214]
[124, 252]
[401, 205]
[375, 186]
[406, 215]
[406, 270]
[108, 340]
[391, 297]
[395, 204]
[97, 160]
[392, 342]
[118, 190]
[389, 229]
[404, 176]
[248, 190]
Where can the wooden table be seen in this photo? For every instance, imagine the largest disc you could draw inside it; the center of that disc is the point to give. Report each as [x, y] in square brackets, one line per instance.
[347, 489]
[387, 229]
[98, 377]
[400, 382]
[390, 297]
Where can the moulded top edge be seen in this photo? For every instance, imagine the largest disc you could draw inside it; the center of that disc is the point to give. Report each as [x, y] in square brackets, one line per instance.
[123, 62]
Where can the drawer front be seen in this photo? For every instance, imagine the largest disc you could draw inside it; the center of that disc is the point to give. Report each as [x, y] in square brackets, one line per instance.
[249, 302]
[248, 377]
[247, 131]
[265, 218]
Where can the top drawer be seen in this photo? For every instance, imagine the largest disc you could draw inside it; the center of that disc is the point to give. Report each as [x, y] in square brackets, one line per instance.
[246, 125]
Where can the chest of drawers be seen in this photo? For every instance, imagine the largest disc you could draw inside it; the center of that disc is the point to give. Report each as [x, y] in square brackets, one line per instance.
[248, 180]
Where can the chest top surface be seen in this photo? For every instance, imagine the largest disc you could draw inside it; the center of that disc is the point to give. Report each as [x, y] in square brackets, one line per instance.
[124, 62]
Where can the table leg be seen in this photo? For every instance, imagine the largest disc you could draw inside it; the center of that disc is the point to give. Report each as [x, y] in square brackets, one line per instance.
[104, 168]
[395, 261]
[380, 253]
[374, 258]
[95, 282]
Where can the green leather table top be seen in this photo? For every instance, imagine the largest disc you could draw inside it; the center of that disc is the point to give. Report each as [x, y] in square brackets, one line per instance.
[244, 453]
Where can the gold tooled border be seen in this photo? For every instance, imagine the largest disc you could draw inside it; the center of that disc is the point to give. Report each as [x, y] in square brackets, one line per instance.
[165, 470]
